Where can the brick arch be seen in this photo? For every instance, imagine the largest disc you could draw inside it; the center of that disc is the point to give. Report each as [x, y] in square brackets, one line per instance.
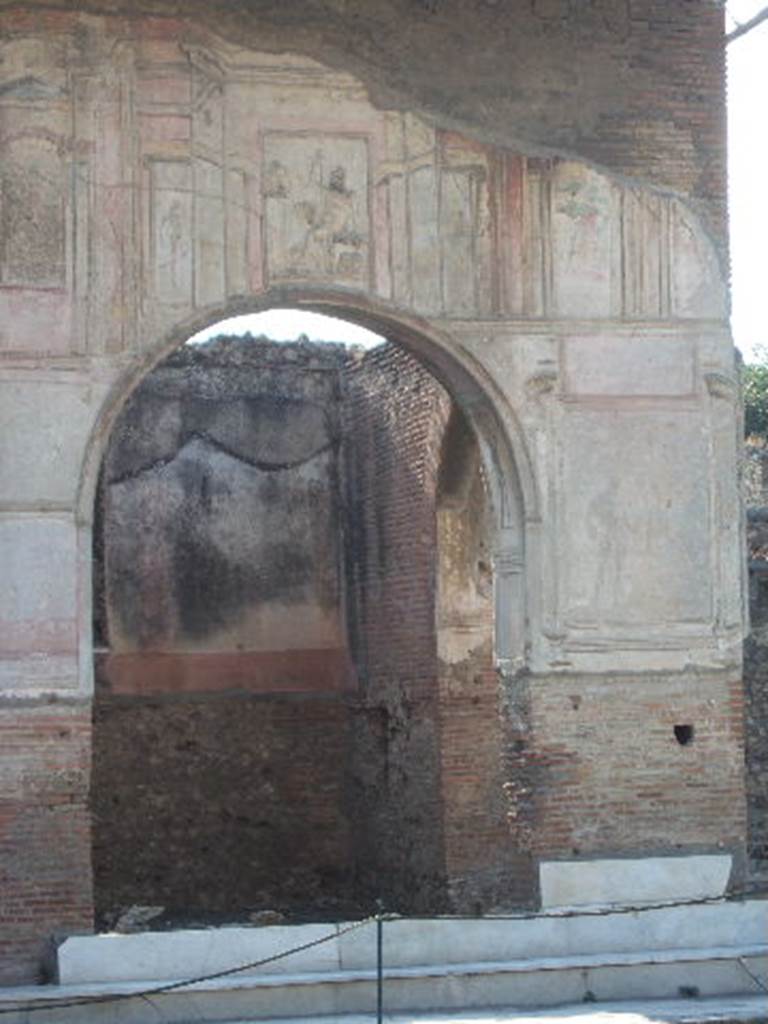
[513, 493]
[480, 863]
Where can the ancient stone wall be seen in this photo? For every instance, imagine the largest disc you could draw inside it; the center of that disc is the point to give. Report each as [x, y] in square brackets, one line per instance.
[218, 806]
[160, 173]
[756, 739]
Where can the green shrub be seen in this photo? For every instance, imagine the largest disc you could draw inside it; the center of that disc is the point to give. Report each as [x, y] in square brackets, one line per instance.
[755, 386]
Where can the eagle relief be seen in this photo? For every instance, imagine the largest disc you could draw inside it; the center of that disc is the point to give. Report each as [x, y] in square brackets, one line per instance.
[316, 208]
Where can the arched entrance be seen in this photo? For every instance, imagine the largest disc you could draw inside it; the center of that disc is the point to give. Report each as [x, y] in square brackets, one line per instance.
[374, 771]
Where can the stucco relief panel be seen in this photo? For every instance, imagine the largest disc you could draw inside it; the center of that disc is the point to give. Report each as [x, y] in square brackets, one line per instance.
[181, 120]
[466, 227]
[585, 241]
[573, 244]
[729, 568]
[650, 362]
[171, 222]
[238, 233]
[53, 414]
[635, 535]
[436, 194]
[38, 607]
[210, 264]
[696, 280]
[645, 254]
[32, 214]
[35, 200]
[208, 100]
[105, 240]
[316, 209]
[209, 146]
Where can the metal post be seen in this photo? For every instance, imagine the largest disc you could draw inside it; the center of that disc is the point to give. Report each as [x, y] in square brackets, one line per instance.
[379, 964]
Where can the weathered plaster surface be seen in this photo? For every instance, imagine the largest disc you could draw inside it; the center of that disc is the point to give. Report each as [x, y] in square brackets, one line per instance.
[220, 512]
[205, 174]
[634, 85]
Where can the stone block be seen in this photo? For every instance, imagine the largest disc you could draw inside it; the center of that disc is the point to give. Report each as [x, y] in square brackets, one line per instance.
[158, 955]
[38, 603]
[44, 428]
[630, 882]
[647, 363]
[35, 321]
[634, 493]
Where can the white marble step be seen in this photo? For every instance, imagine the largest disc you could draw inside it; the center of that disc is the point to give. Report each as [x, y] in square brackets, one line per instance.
[532, 983]
[156, 956]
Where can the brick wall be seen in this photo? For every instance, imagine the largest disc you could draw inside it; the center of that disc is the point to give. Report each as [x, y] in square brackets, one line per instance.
[419, 590]
[217, 806]
[670, 125]
[487, 866]
[395, 413]
[609, 775]
[45, 881]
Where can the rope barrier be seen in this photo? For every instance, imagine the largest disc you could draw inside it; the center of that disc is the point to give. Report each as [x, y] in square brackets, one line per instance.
[760, 984]
[737, 895]
[174, 985]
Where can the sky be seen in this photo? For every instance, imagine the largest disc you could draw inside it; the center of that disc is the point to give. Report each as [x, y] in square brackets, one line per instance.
[288, 324]
[747, 191]
[748, 202]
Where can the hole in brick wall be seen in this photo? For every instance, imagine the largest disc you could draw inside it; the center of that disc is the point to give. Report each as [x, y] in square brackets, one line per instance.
[683, 734]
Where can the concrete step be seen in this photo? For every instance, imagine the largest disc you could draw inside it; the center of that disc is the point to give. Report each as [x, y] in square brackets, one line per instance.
[445, 964]
[409, 942]
[532, 983]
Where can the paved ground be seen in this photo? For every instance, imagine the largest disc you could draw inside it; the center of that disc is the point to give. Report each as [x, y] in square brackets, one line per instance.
[753, 1010]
